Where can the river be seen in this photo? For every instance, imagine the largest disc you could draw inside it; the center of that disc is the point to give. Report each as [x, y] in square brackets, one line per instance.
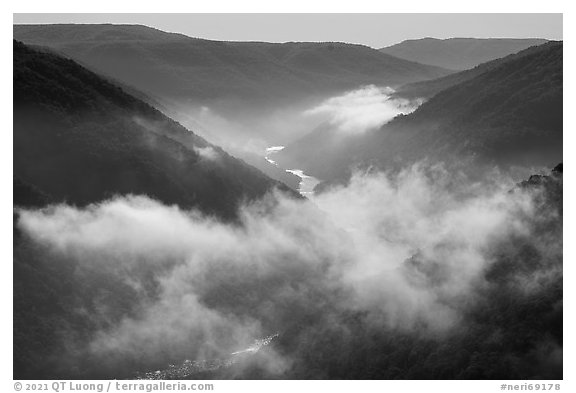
[307, 183]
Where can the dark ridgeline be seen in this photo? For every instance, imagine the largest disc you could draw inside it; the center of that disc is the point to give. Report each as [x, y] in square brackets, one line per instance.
[458, 53]
[80, 139]
[505, 113]
[176, 66]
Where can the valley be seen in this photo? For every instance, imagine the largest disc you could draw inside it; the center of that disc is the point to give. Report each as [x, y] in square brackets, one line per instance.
[193, 208]
[306, 184]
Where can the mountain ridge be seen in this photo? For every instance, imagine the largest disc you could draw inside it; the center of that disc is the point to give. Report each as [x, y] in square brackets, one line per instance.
[117, 144]
[69, 39]
[508, 116]
[458, 53]
[427, 89]
[246, 95]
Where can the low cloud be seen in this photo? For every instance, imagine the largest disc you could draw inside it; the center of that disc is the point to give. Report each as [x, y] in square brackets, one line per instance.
[406, 253]
[363, 109]
[207, 153]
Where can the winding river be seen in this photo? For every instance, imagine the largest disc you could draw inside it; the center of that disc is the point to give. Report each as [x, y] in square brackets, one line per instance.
[307, 183]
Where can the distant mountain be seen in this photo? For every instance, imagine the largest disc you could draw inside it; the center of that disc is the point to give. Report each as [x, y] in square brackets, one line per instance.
[244, 96]
[427, 89]
[510, 115]
[458, 53]
[80, 139]
[181, 67]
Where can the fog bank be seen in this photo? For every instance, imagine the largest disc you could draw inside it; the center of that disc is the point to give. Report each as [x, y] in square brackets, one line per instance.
[406, 253]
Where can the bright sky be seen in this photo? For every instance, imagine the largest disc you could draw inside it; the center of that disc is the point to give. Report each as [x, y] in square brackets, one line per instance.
[376, 30]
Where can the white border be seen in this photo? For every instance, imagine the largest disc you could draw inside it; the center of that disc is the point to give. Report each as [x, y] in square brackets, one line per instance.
[259, 6]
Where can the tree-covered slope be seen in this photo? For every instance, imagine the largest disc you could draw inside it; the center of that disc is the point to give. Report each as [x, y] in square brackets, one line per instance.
[427, 89]
[177, 66]
[508, 116]
[80, 139]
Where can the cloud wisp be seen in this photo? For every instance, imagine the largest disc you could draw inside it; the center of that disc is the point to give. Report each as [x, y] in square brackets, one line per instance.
[363, 109]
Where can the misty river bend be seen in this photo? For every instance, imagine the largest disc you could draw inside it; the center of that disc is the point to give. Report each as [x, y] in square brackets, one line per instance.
[189, 368]
[307, 183]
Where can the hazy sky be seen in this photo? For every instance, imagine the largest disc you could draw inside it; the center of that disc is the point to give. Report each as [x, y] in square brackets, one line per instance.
[376, 30]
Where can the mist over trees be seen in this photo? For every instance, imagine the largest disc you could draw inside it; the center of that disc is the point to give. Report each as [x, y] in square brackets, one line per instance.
[432, 249]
